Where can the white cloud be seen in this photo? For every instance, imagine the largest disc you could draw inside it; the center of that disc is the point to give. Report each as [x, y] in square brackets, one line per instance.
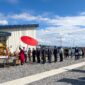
[82, 13]
[27, 16]
[57, 20]
[68, 28]
[68, 21]
[65, 35]
[3, 22]
[23, 16]
[62, 27]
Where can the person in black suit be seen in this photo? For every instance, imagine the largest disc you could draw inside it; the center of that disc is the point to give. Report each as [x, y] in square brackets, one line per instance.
[66, 53]
[38, 55]
[43, 56]
[49, 55]
[55, 54]
[61, 54]
[34, 55]
[76, 53]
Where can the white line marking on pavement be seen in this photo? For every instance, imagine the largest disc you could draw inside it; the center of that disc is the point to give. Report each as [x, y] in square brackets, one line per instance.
[39, 76]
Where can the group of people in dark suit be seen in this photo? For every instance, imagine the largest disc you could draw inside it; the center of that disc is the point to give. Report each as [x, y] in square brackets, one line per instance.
[74, 52]
[33, 55]
[58, 52]
[78, 53]
[43, 55]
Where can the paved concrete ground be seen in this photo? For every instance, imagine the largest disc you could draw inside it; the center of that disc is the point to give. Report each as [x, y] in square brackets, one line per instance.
[15, 72]
[39, 76]
[73, 77]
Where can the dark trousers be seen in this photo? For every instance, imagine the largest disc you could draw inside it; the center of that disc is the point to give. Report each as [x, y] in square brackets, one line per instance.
[76, 57]
[61, 57]
[38, 59]
[43, 59]
[55, 57]
[49, 59]
[25, 58]
[33, 58]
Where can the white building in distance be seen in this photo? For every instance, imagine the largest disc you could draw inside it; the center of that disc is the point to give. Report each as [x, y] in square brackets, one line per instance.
[11, 35]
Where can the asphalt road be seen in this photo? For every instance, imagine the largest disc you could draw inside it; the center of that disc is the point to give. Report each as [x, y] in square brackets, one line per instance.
[16, 72]
[73, 77]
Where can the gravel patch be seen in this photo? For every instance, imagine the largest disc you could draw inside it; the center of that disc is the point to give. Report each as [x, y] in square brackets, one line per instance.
[15, 72]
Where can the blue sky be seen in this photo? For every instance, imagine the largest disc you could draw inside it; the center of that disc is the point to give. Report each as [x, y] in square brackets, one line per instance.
[61, 22]
[59, 7]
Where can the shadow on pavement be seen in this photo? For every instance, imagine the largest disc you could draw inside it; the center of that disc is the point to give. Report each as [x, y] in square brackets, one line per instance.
[82, 78]
[79, 81]
[7, 65]
[77, 70]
